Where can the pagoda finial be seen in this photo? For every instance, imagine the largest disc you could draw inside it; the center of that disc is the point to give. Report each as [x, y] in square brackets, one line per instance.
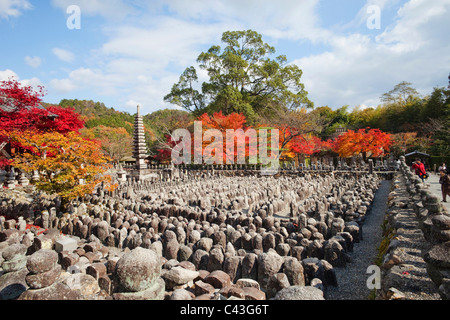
[138, 110]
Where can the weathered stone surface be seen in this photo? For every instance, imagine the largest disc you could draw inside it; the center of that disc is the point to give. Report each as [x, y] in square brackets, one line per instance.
[69, 260]
[242, 283]
[395, 294]
[83, 283]
[105, 284]
[276, 282]
[294, 271]
[251, 293]
[206, 296]
[181, 294]
[154, 292]
[283, 249]
[250, 266]
[44, 279]
[96, 270]
[14, 251]
[138, 269]
[334, 253]
[179, 275]
[329, 275]
[102, 230]
[395, 277]
[171, 250]
[218, 279]
[233, 291]
[300, 293]
[57, 291]
[268, 264]
[202, 287]
[184, 253]
[200, 259]
[9, 235]
[216, 259]
[439, 256]
[13, 284]
[66, 244]
[15, 264]
[42, 261]
[187, 265]
[45, 242]
[313, 268]
[233, 267]
[205, 244]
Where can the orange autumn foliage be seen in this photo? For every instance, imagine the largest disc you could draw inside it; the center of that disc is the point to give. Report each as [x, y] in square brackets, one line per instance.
[222, 123]
[372, 142]
[62, 160]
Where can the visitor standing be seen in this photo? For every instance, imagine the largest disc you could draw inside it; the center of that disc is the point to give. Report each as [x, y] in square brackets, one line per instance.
[444, 180]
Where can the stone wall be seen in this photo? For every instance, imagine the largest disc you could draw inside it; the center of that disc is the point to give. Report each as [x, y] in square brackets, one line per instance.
[416, 248]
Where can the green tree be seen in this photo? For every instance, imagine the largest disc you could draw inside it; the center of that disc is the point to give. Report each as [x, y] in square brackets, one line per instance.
[330, 120]
[242, 78]
[361, 118]
[402, 94]
[167, 120]
[436, 106]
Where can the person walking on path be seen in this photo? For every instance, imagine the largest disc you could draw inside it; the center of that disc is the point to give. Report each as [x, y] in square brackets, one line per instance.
[419, 168]
[444, 180]
[443, 167]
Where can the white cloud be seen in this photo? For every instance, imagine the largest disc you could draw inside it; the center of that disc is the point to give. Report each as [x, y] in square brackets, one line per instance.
[9, 74]
[33, 62]
[358, 69]
[282, 19]
[33, 82]
[418, 21]
[83, 78]
[130, 104]
[63, 85]
[63, 54]
[13, 8]
[144, 55]
[113, 9]
[169, 41]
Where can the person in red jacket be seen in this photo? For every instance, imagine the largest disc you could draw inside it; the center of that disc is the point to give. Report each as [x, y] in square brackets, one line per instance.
[419, 168]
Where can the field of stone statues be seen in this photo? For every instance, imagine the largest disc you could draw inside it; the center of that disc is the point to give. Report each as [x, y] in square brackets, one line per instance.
[215, 238]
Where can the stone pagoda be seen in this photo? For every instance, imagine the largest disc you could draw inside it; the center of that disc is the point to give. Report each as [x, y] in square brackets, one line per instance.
[139, 147]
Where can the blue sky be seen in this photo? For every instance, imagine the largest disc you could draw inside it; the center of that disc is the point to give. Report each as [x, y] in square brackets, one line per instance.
[132, 52]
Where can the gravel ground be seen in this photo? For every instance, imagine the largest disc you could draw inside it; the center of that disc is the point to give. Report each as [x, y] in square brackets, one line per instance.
[435, 188]
[352, 279]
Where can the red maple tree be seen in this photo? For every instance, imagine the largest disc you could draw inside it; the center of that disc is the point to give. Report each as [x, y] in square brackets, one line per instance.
[373, 142]
[22, 111]
[12, 93]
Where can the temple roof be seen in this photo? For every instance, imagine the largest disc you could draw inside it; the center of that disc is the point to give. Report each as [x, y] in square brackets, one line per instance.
[417, 153]
[9, 107]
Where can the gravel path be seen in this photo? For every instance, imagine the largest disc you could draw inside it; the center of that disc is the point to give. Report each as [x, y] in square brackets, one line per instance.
[435, 188]
[352, 279]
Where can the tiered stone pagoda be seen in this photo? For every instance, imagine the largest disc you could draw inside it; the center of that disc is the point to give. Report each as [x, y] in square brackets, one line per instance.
[139, 147]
